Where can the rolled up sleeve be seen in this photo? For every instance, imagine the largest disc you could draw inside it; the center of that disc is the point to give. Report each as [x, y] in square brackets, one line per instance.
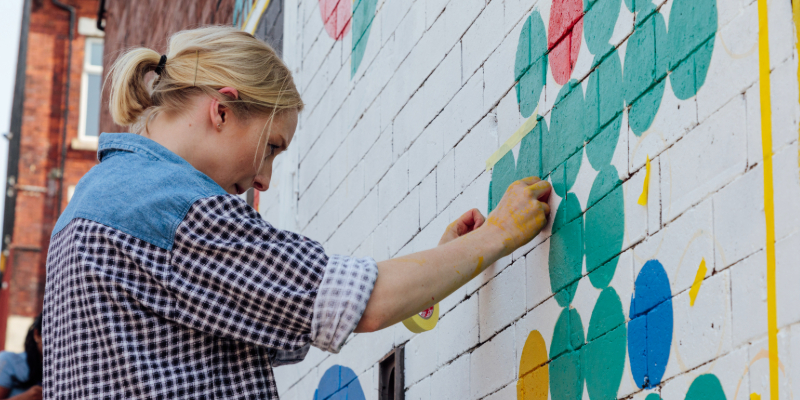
[342, 297]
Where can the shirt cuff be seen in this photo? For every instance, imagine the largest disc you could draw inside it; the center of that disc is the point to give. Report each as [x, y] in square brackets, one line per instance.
[341, 300]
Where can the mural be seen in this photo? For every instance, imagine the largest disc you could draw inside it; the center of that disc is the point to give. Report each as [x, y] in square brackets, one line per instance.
[679, 50]
[339, 383]
[339, 16]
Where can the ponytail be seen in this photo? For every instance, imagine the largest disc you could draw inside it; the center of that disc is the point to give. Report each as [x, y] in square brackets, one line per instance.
[130, 95]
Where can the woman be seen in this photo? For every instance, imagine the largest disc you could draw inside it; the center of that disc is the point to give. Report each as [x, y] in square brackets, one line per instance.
[163, 283]
[21, 374]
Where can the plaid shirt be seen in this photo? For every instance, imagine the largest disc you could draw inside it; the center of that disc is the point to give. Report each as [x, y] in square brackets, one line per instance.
[206, 316]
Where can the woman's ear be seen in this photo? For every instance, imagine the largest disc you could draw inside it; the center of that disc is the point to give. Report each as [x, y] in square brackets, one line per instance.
[219, 112]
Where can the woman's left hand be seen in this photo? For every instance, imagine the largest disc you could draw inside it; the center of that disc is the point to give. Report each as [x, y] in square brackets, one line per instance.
[471, 220]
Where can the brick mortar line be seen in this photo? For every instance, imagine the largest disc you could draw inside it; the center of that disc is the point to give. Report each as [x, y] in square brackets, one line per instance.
[392, 76]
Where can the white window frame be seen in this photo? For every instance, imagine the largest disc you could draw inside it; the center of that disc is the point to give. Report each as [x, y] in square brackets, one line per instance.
[88, 68]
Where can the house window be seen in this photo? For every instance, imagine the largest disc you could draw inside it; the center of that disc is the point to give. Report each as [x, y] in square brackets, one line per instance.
[91, 91]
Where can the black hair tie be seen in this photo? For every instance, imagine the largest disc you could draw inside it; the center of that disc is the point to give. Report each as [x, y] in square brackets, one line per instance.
[161, 64]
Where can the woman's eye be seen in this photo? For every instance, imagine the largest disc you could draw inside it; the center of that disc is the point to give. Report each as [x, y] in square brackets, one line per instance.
[272, 149]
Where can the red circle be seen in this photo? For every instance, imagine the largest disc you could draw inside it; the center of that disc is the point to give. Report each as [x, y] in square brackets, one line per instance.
[564, 37]
[336, 15]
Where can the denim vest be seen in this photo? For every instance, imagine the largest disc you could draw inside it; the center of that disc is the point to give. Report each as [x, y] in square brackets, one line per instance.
[140, 188]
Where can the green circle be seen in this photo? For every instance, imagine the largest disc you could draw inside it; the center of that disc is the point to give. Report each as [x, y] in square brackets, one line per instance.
[604, 104]
[598, 23]
[530, 67]
[604, 354]
[529, 159]
[565, 137]
[653, 396]
[605, 220]
[502, 177]
[566, 377]
[644, 71]
[692, 26]
[640, 6]
[601, 276]
[565, 260]
[705, 387]
[564, 176]
[606, 316]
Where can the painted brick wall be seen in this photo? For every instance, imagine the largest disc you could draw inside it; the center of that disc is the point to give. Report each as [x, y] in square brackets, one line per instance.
[408, 99]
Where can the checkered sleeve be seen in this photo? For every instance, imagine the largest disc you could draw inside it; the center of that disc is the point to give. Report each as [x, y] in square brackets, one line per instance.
[236, 276]
[342, 299]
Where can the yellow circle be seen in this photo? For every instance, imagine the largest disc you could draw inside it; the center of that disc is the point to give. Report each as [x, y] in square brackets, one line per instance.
[533, 371]
[423, 321]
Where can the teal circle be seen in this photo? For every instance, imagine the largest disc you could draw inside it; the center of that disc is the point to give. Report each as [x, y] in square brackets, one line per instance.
[598, 23]
[605, 221]
[602, 276]
[653, 396]
[605, 349]
[644, 71]
[565, 137]
[566, 375]
[692, 26]
[607, 315]
[565, 261]
[529, 159]
[363, 15]
[604, 104]
[530, 67]
[639, 6]
[705, 387]
[563, 178]
[502, 177]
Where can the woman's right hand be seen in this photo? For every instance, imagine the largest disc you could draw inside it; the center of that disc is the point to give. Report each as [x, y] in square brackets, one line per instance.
[521, 213]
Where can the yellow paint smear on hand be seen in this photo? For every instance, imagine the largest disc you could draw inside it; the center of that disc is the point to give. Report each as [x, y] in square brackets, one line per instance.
[755, 396]
[698, 281]
[646, 188]
[478, 268]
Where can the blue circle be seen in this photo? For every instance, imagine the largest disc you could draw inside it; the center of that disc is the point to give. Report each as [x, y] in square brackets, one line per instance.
[650, 327]
[339, 383]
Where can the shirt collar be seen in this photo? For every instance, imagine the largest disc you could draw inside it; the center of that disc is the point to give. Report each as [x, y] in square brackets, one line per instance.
[110, 143]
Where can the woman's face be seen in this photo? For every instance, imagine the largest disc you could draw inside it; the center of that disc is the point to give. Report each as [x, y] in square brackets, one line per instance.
[250, 150]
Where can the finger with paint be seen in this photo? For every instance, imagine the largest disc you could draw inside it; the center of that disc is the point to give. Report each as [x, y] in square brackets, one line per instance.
[522, 212]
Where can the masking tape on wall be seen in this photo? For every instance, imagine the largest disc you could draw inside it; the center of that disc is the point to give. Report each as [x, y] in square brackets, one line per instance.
[514, 140]
[423, 321]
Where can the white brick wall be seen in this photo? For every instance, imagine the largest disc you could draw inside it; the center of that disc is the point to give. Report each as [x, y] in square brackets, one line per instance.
[384, 159]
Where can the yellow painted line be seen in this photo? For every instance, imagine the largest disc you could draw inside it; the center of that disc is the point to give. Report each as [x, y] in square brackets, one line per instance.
[255, 14]
[769, 201]
[514, 140]
[646, 188]
[249, 13]
[698, 281]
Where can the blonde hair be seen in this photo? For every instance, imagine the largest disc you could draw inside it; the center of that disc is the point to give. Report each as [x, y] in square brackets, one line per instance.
[199, 61]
